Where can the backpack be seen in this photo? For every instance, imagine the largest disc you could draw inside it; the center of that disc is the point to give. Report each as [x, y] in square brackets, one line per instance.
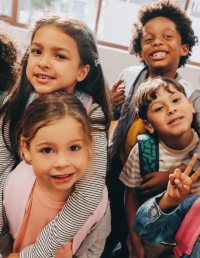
[188, 232]
[148, 153]
[16, 195]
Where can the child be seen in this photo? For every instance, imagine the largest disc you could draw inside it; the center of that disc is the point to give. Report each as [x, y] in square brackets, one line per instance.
[159, 218]
[62, 55]
[163, 39]
[56, 164]
[8, 61]
[165, 111]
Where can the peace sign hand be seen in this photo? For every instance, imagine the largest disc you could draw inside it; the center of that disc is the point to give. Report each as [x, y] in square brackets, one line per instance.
[179, 185]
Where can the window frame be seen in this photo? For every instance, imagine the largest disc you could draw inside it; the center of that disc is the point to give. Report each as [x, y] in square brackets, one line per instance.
[13, 21]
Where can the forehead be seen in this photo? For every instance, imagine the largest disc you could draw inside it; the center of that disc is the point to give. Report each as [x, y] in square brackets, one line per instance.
[159, 23]
[163, 91]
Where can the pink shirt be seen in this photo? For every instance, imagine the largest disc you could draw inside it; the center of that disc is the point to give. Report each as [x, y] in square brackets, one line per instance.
[40, 210]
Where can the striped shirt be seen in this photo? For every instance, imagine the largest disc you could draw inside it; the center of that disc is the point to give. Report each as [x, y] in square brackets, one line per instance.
[81, 204]
[168, 158]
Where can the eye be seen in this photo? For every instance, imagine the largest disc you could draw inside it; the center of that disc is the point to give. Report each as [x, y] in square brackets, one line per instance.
[60, 56]
[168, 36]
[157, 109]
[74, 148]
[176, 100]
[148, 39]
[47, 150]
[36, 51]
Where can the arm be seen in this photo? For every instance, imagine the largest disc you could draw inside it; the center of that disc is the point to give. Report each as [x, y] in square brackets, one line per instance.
[131, 207]
[159, 218]
[93, 244]
[179, 186]
[80, 205]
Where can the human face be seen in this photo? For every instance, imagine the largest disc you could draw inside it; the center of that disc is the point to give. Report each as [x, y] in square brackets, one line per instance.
[59, 157]
[170, 115]
[54, 62]
[161, 47]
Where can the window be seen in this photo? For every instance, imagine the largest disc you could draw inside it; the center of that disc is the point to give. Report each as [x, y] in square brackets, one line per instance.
[111, 20]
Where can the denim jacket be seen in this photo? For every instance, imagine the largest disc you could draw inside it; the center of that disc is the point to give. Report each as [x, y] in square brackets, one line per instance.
[156, 226]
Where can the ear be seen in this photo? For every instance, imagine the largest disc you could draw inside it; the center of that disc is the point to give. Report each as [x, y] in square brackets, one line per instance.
[148, 126]
[83, 72]
[141, 56]
[25, 151]
[184, 50]
[193, 110]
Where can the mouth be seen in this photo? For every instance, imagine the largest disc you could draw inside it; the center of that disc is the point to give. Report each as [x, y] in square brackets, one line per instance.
[62, 178]
[158, 55]
[175, 120]
[44, 76]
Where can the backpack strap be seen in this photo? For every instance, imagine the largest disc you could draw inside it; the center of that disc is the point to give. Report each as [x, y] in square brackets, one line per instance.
[16, 194]
[148, 153]
[189, 231]
[85, 98]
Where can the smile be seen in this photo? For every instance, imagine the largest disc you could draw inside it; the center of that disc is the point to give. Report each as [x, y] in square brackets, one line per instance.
[176, 120]
[44, 77]
[158, 55]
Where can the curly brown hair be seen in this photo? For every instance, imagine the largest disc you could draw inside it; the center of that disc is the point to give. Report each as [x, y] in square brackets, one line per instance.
[171, 10]
[8, 58]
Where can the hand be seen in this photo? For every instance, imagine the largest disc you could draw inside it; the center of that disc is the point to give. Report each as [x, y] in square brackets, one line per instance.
[117, 94]
[153, 183]
[179, 185]
[156, 182]
[13, 255]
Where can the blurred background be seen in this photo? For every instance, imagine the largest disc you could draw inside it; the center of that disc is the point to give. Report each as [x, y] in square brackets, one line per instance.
[111, 22]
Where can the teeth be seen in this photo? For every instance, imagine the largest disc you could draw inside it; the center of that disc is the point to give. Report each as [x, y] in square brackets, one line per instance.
[43, 77]
[62, 176]
[159, 54]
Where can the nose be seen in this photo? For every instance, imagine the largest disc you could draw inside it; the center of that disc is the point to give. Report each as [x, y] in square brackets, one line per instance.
[44, 62]
[171, 110]
[157, 41]
[62, 160]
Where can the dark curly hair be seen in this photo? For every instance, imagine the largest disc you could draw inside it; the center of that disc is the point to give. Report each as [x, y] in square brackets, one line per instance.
[171, 10]
[8, 58]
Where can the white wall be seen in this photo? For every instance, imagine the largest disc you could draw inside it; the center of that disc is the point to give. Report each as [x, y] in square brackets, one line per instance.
[114, 61]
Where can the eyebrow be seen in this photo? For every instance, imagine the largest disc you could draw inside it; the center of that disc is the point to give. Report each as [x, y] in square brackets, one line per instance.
[165, 29]
[54, 48]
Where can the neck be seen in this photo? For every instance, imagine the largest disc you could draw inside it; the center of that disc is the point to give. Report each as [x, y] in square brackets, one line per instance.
[58, 195]
[162, 72]
[179, 142]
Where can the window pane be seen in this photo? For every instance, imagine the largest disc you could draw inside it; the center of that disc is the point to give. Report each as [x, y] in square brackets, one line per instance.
[194, 13]
[116, 20]
[82, 9]
[6, 8]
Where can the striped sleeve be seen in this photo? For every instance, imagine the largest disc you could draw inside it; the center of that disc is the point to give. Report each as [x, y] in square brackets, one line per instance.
[81, 203]
[6, 164]
[130, 175]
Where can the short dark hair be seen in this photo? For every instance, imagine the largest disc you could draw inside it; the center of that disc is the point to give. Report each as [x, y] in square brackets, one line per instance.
[171, 10]
[147, 92]
[8, 58]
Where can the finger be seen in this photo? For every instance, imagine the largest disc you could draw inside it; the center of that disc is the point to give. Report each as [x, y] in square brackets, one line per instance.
[119, 94]
[195, 176]
[116, 85]
[191, 164]
[121, 87]
[172, 179]
[117, 104]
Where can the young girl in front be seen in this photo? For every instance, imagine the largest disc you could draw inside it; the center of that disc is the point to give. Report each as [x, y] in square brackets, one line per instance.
[56, 139]
[62, 55]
